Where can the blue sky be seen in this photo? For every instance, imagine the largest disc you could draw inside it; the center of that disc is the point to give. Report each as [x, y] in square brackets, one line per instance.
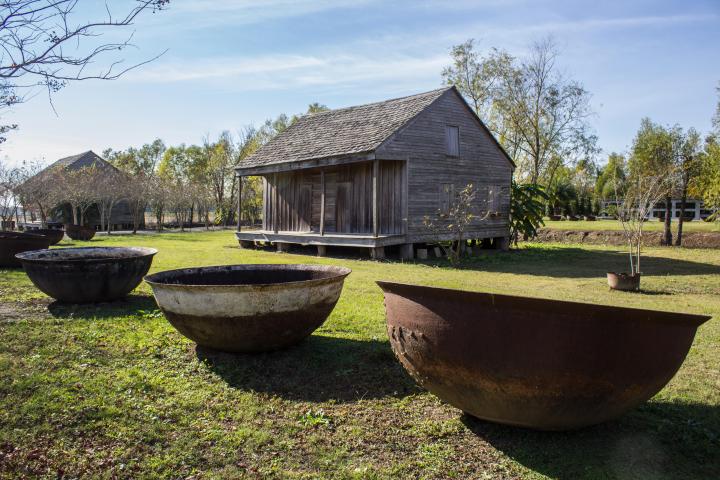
[231, 63]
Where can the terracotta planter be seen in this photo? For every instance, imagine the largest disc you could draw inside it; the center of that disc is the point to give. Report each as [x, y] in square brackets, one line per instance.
[248, 308]
[87, 275]
[624, 281]
[12, 243]
[78, 232]
[543, 364]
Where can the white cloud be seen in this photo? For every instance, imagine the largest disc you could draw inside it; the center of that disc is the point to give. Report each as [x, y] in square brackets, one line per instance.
[622, 22]
[292, 71]
[220, 68]
[207, 13]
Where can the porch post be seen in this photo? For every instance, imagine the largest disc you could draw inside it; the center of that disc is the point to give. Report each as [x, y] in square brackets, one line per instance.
[375, 206]
[275, 216]
[322, 202]
[239, 203]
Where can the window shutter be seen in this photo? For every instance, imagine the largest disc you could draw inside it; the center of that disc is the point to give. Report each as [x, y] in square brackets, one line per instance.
[452, 140]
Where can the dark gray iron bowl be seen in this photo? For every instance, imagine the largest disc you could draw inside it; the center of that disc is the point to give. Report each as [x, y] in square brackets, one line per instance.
[87, 275]
[544, 364]
[248, 308]
[55, 236]
[79, 232]
[12, 243]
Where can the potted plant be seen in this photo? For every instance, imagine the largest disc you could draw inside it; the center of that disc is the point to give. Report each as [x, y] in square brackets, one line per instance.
[641, 194]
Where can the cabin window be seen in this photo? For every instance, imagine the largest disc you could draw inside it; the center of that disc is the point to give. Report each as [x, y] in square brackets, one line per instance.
[452, 141]
[446, 192]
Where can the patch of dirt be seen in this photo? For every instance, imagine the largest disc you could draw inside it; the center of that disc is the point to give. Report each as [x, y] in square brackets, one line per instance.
[614, 237]
[16, 311]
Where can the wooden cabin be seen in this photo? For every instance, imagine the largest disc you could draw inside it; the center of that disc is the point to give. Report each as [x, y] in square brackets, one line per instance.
[367, 176]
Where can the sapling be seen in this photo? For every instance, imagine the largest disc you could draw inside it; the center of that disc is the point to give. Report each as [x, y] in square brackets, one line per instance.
[634, 207]
[461, 211]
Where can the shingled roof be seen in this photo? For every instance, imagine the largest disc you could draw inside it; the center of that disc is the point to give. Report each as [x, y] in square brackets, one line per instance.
[73, 162]
[345, 131]
[80, 160]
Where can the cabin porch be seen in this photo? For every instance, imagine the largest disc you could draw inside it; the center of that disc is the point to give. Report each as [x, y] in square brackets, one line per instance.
[360, 202]
[282, 240]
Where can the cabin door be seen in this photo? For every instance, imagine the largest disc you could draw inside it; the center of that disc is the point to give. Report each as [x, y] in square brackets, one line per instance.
[343, 207]
[304, 207]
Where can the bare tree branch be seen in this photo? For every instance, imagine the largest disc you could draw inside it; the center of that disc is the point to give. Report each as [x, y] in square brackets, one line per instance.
[42, 46]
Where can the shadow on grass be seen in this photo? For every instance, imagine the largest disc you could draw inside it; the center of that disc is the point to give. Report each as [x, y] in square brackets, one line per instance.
[319, 369]
[546, 261]
[573, 262]
[137, 305]
[656, 441]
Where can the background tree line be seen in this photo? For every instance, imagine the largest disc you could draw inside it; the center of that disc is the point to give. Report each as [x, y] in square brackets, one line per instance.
[182, 185]
[541, 116]
[191, 182]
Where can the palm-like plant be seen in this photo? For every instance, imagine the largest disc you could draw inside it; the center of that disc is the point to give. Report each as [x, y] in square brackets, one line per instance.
[527, 203]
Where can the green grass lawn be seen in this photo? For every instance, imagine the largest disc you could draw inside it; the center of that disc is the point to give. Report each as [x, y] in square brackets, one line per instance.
[113, 391]
[615, 225]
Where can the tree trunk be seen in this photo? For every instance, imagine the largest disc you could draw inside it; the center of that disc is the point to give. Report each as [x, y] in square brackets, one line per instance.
[43, 218]
[109, 216]
[74, 214]
[136, 217]
[678, 240]
[17, 218]
[101, 207]
[668, 221]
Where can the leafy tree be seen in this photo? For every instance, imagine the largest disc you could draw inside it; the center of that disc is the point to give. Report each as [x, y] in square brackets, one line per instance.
[142, 165]
[317, 108]
[479, 79]
[44, 46]
[653, 153]
[611, 178]
[10, 179]
[716, 117]
[560, 196]
[221, 162]
[173, 173]
[200, 190]
[537, 113]
[706, 184]
[141, 174]
[688, 149]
